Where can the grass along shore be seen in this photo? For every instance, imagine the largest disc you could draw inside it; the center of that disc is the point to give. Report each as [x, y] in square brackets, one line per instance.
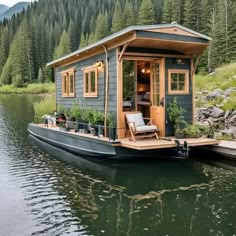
[37, 88]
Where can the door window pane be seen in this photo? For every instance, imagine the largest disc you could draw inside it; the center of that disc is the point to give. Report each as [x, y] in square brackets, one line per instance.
[129, 85]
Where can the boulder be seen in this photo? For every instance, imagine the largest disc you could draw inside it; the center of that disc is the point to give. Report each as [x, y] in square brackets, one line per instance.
[231, 121]
[216, 112]
[216, 93]
[228, 91]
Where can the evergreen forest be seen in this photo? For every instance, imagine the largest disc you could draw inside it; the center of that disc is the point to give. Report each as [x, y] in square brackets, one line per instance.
[49, 29]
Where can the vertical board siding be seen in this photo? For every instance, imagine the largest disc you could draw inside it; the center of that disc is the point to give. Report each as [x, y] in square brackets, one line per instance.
[97, 102]
[184, 100]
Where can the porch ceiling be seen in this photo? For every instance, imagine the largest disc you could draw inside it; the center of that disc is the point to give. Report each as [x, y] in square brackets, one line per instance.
[189, 48]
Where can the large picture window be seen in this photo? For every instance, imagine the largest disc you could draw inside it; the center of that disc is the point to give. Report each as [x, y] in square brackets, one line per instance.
[90, 82]
[178, 81]
[68, 83]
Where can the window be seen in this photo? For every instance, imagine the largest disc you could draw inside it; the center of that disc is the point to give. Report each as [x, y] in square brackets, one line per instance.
[90, 82]
[178, 81]
[68, 83]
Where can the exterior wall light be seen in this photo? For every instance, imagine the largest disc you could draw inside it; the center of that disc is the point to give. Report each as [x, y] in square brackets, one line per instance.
[100, 64]
[179, 61]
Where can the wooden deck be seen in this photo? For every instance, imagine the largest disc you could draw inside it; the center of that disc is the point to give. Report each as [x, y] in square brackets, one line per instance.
[151, 143]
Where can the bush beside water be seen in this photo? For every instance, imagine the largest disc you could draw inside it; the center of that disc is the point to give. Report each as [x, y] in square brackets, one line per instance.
[29, 89]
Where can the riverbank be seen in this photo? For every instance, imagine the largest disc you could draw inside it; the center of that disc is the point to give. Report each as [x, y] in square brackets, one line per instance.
[36, 88]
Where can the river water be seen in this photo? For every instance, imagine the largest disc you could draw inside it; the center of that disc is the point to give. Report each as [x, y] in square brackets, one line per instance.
[42, 194]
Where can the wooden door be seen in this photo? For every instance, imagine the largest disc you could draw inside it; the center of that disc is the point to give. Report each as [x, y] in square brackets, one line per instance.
[157, 110]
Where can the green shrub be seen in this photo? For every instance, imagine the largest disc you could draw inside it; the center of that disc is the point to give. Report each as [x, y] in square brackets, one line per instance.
[192, 131]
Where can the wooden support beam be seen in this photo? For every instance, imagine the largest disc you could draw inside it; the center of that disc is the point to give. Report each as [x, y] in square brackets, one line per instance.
[123, 50]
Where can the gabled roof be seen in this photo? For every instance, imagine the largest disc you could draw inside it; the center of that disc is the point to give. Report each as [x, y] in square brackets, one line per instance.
[170, 29]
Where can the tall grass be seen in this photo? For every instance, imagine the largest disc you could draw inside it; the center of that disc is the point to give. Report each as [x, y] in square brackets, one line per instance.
[223, 78]
[30, 89]
[45, 106]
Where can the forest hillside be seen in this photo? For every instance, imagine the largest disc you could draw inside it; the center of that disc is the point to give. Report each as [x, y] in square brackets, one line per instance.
[49, 29]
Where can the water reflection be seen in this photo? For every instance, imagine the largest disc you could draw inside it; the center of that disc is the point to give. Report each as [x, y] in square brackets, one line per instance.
[46, 191]
[144, 198]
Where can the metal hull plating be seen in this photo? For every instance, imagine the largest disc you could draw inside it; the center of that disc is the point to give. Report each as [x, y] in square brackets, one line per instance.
[87, 146]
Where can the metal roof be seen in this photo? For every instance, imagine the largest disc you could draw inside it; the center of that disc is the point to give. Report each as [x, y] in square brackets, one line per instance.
[123, 32]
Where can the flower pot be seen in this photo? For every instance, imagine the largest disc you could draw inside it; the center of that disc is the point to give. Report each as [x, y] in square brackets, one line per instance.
[179, 135]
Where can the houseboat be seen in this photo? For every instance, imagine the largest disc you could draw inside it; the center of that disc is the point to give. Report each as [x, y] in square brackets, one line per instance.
[131, 74]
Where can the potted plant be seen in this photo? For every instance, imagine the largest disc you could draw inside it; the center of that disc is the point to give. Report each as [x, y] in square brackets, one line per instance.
[76, 113]
[111, 127]
[175, 113]
[96, 119]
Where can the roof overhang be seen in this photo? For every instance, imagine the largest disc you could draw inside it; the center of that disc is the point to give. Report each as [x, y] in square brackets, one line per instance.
[167, 36]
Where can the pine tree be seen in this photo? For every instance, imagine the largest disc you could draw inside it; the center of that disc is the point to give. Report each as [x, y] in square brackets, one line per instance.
[64, 46]
[167, 11]
[117, 19]
[189, 14]
[129, 15]
[4, 47]
[40, 76]
[101, 26]
[83, 41]
[231, 53]
[146, 15]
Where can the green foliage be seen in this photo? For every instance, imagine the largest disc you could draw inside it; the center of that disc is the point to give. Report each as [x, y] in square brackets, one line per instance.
[117, 19]
[226, 137]
[206, 131]
[29, 39]
[45, 106]
[63, 47]
[29, 89]
[175, 113]
[231, 103]
[40, 76]
[192, 131]
[101, 26]
[222, 78]
[146, 15]
[76, 109]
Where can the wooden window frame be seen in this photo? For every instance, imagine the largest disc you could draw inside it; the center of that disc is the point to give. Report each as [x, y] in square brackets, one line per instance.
[186, 81]
[66, 85]
[89, 70]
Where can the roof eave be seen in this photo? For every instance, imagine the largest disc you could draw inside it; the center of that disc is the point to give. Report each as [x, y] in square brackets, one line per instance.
[121, 33]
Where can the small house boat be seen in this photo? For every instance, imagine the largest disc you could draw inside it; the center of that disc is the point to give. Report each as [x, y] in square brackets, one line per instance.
[138, 70]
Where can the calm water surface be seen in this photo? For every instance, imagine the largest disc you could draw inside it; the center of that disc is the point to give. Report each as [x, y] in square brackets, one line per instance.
[42, 195]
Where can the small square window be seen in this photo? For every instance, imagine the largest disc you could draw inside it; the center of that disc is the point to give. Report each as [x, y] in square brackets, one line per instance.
[178, 81]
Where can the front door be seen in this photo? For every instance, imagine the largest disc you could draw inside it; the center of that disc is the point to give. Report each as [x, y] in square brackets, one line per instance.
[157, 110]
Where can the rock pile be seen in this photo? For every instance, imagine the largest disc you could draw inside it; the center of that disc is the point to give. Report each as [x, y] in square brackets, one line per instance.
[222, 122]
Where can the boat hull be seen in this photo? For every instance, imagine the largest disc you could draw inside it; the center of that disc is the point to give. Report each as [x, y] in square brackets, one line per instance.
[87, 146]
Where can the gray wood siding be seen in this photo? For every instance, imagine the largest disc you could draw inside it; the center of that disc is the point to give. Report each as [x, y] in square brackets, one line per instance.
[185, 100]
[98, 102]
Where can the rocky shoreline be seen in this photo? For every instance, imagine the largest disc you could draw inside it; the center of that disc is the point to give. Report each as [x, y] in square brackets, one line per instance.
[222, 123]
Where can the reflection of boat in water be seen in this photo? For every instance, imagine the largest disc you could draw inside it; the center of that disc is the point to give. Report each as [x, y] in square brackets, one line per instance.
[139, 198]
[130, 173]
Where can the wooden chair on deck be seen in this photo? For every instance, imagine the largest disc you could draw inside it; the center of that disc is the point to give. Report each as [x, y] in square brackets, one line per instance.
[138, 128]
